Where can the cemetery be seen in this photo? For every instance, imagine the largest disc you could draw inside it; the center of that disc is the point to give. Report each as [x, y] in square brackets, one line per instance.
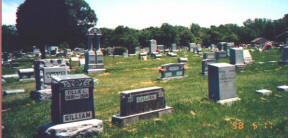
[191, 105]
[63, 76]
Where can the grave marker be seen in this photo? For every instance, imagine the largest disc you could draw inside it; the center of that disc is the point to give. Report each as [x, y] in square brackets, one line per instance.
[205, 63]
[172, 71]
[209, 55]
[139, 104]
[284, 56]
[236, 58]
[222, 83]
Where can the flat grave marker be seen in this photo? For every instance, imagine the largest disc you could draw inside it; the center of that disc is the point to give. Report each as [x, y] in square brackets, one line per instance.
[172, 71]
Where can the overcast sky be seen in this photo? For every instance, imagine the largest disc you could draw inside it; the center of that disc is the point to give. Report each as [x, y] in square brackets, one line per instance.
[141, 14]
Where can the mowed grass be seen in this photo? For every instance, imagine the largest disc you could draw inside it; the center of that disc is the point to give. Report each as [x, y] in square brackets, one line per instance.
[194, 115]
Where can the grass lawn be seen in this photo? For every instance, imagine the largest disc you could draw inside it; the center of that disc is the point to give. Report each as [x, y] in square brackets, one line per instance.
[194, 115]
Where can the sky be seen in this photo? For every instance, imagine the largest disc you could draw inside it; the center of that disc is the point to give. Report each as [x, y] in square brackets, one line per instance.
[141, 14]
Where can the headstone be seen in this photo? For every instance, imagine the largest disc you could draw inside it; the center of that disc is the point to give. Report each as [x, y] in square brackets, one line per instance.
[13, 91]
[141, 55]
[284, 60]
[72, 108]
[81, 62]
[94, 59]
[74, 59]
[173, 47]
[161, 48]
[199, 48]
[247, 57]
[132, 55]
[191, 47]
[209, 55]
[220, 54]
[264, 92]
[182, 60]
[44, 69]
[236, 58]
[171, 54]
[222, 83]
[26, 74]
[228, 46]
[137, 50]
[144, 58]
[157, 56]
[172, 71]
[153, 46]
[140, 104]
[68, 52]
[110, 50]
[10, 76]
[205, 63]
[125, 55]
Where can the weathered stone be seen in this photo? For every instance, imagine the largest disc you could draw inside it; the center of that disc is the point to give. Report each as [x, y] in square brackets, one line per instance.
[13, 91]
[264, 92]
[44, 95]
[182, 60]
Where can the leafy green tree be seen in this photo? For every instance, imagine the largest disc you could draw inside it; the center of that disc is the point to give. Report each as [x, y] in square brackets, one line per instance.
[168, 34]
[10, 39]
[105, 39]
[195, 29]
[124, 36]
[51, 22]
[186, 37]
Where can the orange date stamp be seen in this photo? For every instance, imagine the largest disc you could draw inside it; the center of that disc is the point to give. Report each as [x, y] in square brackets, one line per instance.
[255, 125]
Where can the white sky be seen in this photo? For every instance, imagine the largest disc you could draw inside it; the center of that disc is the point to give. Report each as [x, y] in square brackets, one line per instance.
[141, 14]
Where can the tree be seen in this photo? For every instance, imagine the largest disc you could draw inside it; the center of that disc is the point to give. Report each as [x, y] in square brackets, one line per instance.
[186, 37]
[168, 34]
[51, 22]
[124, 36]
[11, 41]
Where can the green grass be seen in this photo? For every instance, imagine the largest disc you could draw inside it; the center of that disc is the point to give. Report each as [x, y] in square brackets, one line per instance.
[193, 114]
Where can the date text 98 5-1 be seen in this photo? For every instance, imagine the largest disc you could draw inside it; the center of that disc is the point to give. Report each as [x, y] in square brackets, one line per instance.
[255, 125]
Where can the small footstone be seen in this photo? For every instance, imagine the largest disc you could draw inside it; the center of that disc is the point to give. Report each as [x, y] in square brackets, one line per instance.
[264, 92]
[283, 88]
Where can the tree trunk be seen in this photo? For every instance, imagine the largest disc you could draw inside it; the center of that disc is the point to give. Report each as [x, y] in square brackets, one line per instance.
[42, 50]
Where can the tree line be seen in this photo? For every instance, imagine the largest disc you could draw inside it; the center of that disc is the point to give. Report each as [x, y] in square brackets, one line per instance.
[65, 22]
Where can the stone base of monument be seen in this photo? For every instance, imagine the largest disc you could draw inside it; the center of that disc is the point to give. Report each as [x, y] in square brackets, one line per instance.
[283, 62]
[27, 79]
[170, 78]
[75, 129]
[41, 95]
[95, 71]
[240, 67]
[228, 101]
[122, 121]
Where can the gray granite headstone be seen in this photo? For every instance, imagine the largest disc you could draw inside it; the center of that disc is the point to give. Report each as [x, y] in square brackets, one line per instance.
[236, 58]
[284, 56]
[205, 64]
[221, 81]
[191, 47]
[13, 91]
[26, 74]
[139, 104]
[153, 46]
[220, 54]
[173, 47]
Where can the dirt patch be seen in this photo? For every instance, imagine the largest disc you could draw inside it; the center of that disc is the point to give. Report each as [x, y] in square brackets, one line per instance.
[104, 74]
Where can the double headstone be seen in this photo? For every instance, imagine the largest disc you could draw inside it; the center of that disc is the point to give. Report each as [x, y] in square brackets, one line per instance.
[210, 55]
[72, 108]
[220, 54]
[140, 104]
[94, 59]
[284, 56]
[172, 71]
[236, 58]
[44, 70]
[222, 83]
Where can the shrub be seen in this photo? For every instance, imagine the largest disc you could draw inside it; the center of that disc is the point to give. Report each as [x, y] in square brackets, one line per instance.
[119, 50]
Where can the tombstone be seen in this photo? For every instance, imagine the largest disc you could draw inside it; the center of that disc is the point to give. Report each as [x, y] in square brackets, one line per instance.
[210, 55]
[81, 62]
[284, 60]
[222, 83]
[191, 47]
[26, 74]
[173, 47]
[220, 46]
[161, 48]
[141, 104]
[94, 59]
[247, 57]
[153, 46]
[141, 55]
[137, 50]
[68, 52]
[220, 54]
[157, 56]
[199, 48]
[205, 63]
[131, 49]
[283, 88]
[5, 57]
[182, 60]
[72, 108]
[212, 47]
[228, 47]
[236, 58]
[110, 50]
[166, 50]
[264, 92]
[144, 58]
[125, 55]
[44, 69]
[10, 76]
[13, 91]
[172, 71]
[132, 55]
[171, 54]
